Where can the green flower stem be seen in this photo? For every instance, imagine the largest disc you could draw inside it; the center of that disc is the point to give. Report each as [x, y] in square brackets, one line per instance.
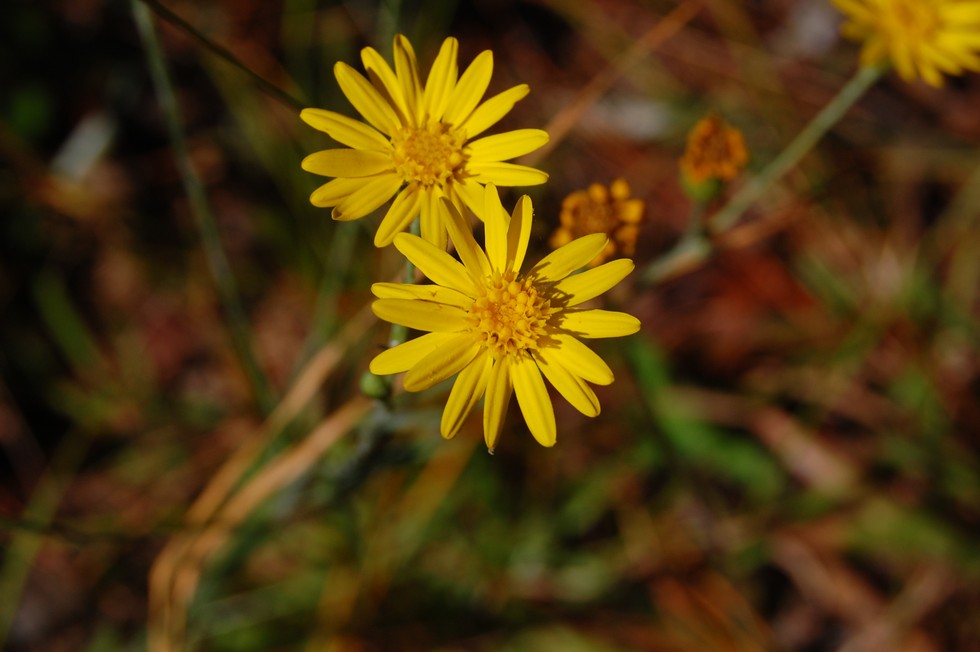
[694, 247]
[379, 387]
[204, 221]
[803, 143]
[685, 255]
[691, 248]
[695, 221]
[399, 333]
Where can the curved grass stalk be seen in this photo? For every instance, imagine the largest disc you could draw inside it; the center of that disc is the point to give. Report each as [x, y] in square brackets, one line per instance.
[830, 115]
[694, 248]
[203, 219]
[223, 53]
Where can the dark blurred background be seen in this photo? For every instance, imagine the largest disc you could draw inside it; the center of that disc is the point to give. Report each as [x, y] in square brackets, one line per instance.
[788, 457]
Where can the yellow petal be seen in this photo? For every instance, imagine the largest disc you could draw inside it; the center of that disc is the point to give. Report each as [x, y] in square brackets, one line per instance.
[930, 74]
[874, 52]
[366, 99]
[506, 174]
[385, 80]
[406, 355]
[519, 233]
[345, 130]
[854, 9]
[490, 112]
[903, 60]
[436, 264]
[469, 251]
[579, 359]
[508, 145]
[573, 388]
[499, 390]
[347, 163]
[435, 293]
[592, 283]
[432, 228]
[466, 392]
[441, 81]
[496, 222]
[407, 70]
[575, 255]
[533, 399]
[470, 89]
[447, 360]
[421, 315]
[959, 51]
[403, 210]
[941, 58]
[599, 323]
[333, 192]
[471, 193]
[960, 15]
[376, 191]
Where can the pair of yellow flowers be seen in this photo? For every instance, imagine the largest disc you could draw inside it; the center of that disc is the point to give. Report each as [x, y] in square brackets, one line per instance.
[502, 331]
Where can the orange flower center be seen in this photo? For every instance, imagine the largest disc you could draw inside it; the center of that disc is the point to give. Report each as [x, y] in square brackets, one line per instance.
[430, 155]
[510, 315]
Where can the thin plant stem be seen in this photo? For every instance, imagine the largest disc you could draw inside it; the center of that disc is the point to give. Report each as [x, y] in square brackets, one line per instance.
[690, 249]
[399, 333]
[695, 247]
[695, 221]
[377, 386]
[688, 253]
[389, 18]
[223, 53]
[201, 211]
[325, 322]
[803, 143]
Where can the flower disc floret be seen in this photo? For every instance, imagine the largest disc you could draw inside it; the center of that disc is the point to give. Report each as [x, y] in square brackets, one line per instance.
[510, 316]
[429, 156]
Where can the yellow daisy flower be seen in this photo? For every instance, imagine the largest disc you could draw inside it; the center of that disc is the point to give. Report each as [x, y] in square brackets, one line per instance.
[417, 145]
[922, 38]
[599, 209]
[503, 332]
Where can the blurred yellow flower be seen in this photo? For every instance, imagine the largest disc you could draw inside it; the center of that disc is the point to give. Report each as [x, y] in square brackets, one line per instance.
[500, 330]
[417, 144]
[599, 209]
[922, 38]
[715, 152]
